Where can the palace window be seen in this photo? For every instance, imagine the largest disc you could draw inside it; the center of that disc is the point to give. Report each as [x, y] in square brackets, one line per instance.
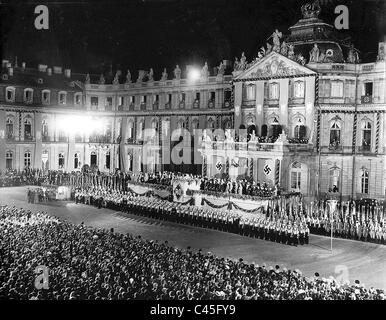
[9, 128]
[27, 159]
[274, 91]
[210, 123]
[366, 136]
[368, 88]
[251, 92]
[156, 98]
[296, 175]
[78, 98]
[107, 160]
[335, 134]
[61, 160]
[121, 101]
[10, 94]
[299, 89]
[27, 129]
[182, 97]
[76, 161]
[46, 96]
[197, 96]
[324, 88]
[62, 97]
[132, 99]
[337, 89]
[45, 162]
[365, 182]
[28, 95]
[169, 98]
[94, 102]
[334, 180]
[8, 160]
[300, 131]
[109, 103]
[227, 95]
[143, 99]
[93, 158]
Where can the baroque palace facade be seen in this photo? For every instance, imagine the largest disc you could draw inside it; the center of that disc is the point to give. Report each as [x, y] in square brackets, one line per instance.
[309, 116]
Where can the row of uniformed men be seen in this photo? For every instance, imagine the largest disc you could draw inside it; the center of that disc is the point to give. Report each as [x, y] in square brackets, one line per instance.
[272, 229]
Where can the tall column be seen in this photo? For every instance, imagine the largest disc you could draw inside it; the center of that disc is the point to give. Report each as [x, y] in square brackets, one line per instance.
[38, 140]
[122, 156]
[238, 100]
[283, 102]
[309, 102]
[259, 105]
[2, 140]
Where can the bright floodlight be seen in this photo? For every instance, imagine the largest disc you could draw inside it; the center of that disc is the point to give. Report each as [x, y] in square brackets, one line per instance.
[194, 74]
[80, 124]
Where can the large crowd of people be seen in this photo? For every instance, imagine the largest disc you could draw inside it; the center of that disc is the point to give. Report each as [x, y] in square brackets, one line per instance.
[241, 187]
[95, 264]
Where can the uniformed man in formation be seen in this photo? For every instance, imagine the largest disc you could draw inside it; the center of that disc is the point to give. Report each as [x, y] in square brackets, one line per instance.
[361, 220]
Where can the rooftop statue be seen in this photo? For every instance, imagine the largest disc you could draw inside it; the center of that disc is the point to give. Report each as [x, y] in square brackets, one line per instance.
[284, 49]
[269, 49]
[243, 61]
[87, 79]
[141, 75]
[311, 10]
[314, 53]
[221, 69]
[205, 71]
[291, 52]
[164, 75]
[116, 80]
[128, 76]
[352, 56]
[151, 74]
[177, 73]
[101, 79]
[381, 52]
[277, 35]
[236, 64]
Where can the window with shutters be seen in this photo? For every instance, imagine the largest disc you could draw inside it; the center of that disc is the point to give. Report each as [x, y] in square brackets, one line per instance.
[296, 175]
[27, 159]
[365, 181]
[366, 136]
[61, 160]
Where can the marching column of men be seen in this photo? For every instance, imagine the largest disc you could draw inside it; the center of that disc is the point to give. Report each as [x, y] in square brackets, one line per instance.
[264, 227]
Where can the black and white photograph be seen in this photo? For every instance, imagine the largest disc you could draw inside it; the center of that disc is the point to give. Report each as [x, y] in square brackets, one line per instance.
[193, 153]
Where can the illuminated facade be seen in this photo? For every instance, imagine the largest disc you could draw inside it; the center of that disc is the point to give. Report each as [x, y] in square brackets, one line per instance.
[311, 116]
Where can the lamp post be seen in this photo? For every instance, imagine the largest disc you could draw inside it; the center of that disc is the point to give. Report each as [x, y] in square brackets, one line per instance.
[332, 205]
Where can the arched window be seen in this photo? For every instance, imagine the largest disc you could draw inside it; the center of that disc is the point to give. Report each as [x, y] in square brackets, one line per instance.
[28, 95]
[366, 136]
[276, 128]
[27, 129]
[46, 96]
[9, 160]
[27, 159]
[93, 158]
[78, 99]
[274, 91]
[299, 89]
[296, 176]
[300, 130]
[9, 128]
[107, 160]
[335, 134]
[365, 181]
[334, 179]
[140, 129]
[76, 161]
[61, 160]
[10, 94]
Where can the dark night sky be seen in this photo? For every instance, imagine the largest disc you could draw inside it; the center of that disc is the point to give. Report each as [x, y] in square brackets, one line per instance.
[89, 35]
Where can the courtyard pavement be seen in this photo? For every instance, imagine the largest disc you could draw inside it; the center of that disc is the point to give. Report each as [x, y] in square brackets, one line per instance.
[349, 259]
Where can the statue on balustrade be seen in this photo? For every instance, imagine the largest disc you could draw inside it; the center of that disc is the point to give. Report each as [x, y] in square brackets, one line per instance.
[221, 69]
[101, 79]
[353, 56]
[141, 75]
[151, 75]
[116, 78]
[177, 73]
[269, 49]
[128, 76]
[314, 53]
[236, 64]
[205, 71]
[87, 79]
[164, 75]
[243, 61]
[381, 52]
